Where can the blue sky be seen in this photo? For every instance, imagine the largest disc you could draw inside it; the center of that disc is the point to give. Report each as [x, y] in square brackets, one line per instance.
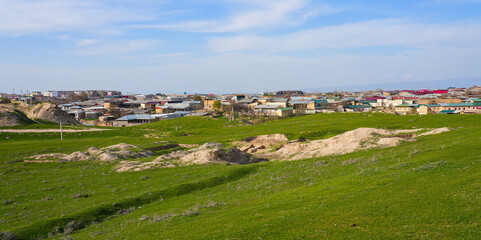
[228, 46]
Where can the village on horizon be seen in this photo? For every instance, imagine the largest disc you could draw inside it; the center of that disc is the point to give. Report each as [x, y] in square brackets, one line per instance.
[112, 108]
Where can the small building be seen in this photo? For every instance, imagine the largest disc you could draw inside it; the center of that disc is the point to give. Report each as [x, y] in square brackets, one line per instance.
[209, 104]
[304, 111]
[131, 120]
[358, 108]
[171, 108]
[149, 104]
[303, 105]
[424, 109]
[405, 109]
[77, 114]
[462, 107]
[106, 118]
[285, 112]
[268, 110]
[91, 115]
[449, 112]
[433, 101]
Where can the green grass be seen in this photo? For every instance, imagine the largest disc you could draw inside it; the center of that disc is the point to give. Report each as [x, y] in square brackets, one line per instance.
[428, 189]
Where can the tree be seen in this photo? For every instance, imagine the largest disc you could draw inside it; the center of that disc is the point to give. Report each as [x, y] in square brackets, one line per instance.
[217, 105]
[197, 98]
[83, 96]
[235, 107]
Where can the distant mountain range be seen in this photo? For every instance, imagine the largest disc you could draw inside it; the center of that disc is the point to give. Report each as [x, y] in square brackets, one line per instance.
[435, 84]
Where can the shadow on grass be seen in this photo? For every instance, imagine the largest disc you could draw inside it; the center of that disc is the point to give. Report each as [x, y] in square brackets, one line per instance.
[82, 219]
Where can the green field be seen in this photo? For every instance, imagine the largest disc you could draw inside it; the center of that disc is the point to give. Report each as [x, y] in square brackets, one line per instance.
[426, 189]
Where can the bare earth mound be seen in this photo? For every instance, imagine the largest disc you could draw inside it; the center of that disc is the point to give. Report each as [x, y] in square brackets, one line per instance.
[348, 142]
[216, 155]
[9, 114]
[436, 131]
[208, 153]
[258, 144]
[9, 119]
[120, 146]
[212, 152]
[107, 154]
[266, 140]
[49, 112]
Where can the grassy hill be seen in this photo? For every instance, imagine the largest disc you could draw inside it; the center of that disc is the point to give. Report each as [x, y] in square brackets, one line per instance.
[429, 188]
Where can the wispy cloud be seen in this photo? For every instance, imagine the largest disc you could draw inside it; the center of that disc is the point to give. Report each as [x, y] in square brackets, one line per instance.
[118, 48]
[260, 14]
[20, 17]
[362, 34]
[63, 37]
[171, 55]
[87, 42]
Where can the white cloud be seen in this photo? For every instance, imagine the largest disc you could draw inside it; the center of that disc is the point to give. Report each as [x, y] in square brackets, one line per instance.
[172, 55]
[86, 42]
[20, 17]
[362, 34]
[63, 37]
[261, 14]
[120, 47]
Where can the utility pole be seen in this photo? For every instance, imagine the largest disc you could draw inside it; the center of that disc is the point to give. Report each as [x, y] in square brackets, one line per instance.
[61, 132]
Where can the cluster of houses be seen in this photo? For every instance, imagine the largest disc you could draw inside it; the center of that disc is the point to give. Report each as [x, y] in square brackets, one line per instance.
[111, 108]
[448, 101]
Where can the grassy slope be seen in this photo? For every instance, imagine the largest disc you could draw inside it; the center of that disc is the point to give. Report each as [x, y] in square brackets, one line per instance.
[425, 189]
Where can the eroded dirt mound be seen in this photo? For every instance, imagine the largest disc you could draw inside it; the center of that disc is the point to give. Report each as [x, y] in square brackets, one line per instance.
[48, 156]
[261, 143]
[216, 155]
[20, 113]
[10, 119]
[135, 166]
[188, 145]
[10, 116]
[348, 142]
[111, 153]
[436, 131]
[73, 157]
[210, 153]
[77, 156]
[51, 113]
[174, 155]
[266, 140]
[211, 145]
[120, 146]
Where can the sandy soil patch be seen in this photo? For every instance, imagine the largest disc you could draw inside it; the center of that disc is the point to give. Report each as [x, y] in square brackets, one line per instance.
[44, 111]
[436, 131]
[107, 154]
[348, 142]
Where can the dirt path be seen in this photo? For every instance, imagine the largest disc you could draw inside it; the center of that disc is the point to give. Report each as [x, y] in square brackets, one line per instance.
[50, 130]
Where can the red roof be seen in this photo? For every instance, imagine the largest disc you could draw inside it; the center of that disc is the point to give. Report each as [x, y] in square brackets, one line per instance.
[405, 98]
